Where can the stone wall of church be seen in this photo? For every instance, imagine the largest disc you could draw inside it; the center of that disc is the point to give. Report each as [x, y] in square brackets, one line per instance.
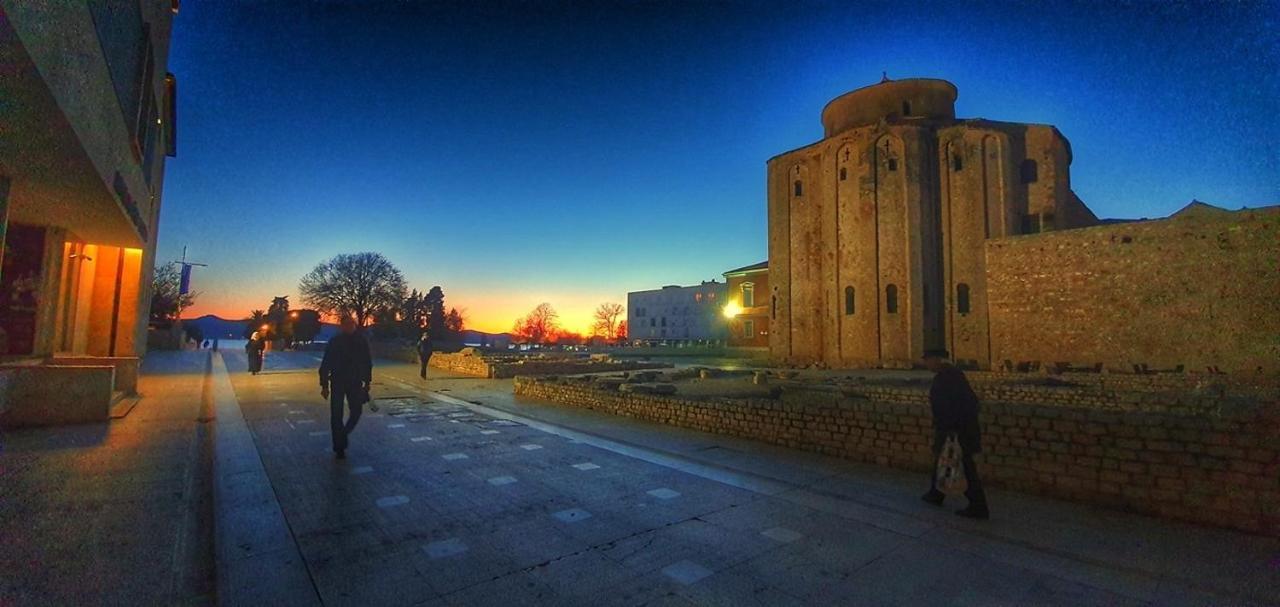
[1195, 291]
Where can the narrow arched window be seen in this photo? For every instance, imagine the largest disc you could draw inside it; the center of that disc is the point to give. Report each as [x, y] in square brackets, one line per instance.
[848, 301]
[1030, 171]
[799, 189]
[957, 163]
[891, 299]
[962, 298]
[906, 108]
[773, 307]
[893, 164]
[844, 173]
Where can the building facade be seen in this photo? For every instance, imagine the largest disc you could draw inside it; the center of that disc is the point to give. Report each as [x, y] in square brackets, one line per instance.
[877, 232]
[89, 118]
[676, 315]
[747, 308]
[906, 229]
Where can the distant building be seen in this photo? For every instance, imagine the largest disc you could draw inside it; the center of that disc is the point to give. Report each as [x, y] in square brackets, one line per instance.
[88, 118]
[677, 315]
[748, 306]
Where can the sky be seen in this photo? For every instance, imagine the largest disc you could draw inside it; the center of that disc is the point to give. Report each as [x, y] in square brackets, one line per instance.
[524, 152]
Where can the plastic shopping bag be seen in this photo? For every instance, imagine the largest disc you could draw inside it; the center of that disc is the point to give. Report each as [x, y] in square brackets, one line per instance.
[950, 473]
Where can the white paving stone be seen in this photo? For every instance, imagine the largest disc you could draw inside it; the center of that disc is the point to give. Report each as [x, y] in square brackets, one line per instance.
[586, 466]
[686, 572]
[395, 425]
[305, 421]
[489, 432]
[445, 548]
[418, 439]
[361, 470]
[320, 433]
[392, 501]
[664, 493]
[572, 515]
[455, 456]
[502, 480]
[530, 447]
[781, 534]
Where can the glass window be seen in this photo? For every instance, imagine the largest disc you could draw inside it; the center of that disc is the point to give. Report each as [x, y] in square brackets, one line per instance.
[962, 298]
[748, 329]
[848, 301]
[799, 189]
[891, 298]
[748, 295]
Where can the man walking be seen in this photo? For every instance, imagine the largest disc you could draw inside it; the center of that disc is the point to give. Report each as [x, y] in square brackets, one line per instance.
[955, 411]
[345, 373]
[424, 353]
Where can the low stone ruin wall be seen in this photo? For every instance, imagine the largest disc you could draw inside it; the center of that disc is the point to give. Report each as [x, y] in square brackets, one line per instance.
[499, 367]
[1221, 469]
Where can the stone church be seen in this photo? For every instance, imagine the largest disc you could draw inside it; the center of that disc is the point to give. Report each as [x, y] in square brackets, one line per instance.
[882, 233]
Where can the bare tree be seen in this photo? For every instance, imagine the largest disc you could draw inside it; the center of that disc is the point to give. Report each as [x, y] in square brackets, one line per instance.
[539, 326]
[358, 284]
[608, 317]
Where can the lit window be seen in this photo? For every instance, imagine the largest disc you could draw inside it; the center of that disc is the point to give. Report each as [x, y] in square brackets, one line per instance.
[891, 299]
[748, 295]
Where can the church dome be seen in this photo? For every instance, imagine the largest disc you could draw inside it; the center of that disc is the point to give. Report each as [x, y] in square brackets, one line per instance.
[913, 98]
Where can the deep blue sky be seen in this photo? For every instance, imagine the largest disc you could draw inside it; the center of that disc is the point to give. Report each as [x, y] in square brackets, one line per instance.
[524, 152]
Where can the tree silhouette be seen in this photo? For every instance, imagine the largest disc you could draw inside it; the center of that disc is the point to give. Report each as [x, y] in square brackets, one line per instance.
[434, 303]
[607, 317]
[358, 284]
[166, 303]
[539, 326]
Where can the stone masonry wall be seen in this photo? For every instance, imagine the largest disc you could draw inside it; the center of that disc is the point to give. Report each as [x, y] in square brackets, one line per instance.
[1218, 470]
[1195, 291]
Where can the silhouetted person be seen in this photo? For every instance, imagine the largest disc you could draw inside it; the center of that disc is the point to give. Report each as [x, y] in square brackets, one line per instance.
[254, 350]
[215, 344]
[345, 373]
[955, 411]
[424, 353]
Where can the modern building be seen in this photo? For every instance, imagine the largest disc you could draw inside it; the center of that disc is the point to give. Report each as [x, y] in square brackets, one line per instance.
[746, 313]
[905, 228]
[88, 119]
[676, 315]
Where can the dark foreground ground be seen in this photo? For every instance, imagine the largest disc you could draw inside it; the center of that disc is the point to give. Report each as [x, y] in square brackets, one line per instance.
[456, 493]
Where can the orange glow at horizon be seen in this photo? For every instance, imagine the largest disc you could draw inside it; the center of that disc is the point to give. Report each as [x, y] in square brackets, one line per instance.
[486, 312]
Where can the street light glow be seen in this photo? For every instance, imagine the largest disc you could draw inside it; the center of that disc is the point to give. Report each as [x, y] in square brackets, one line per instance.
[732, 310]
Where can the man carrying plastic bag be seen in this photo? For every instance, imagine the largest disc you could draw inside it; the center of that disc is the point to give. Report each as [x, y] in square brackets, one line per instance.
[955, 428]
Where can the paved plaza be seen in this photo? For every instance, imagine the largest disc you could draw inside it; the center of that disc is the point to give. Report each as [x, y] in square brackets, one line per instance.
[456, 493]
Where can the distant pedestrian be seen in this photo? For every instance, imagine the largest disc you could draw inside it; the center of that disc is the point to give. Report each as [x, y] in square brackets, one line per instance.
[215, 344]
[424, 353]
[955, 412]
[255, 350]
[345, 374]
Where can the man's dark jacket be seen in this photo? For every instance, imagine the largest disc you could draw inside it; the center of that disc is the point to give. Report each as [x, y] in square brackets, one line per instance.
[347, 361]
[955, 409]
